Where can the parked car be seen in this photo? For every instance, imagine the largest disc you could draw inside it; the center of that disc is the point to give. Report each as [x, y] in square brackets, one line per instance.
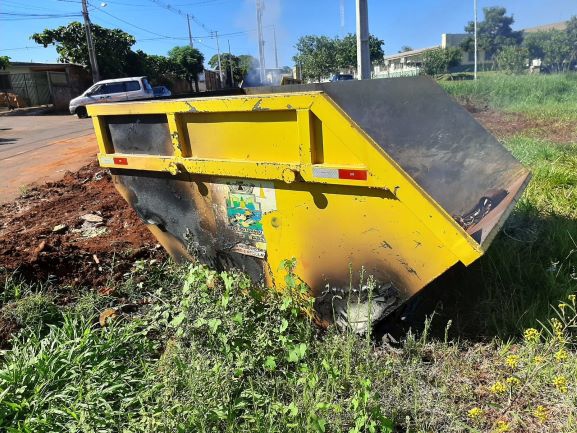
[161, 91]
[342, 77]
[116, 90]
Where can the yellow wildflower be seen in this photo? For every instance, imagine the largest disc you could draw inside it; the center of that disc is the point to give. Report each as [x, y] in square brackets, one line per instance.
[562, 306]
[572, 299]
[561, 355]
[498, 388]
[475, 413]
[558, 329]
[539, 359]
[541, 413]
[512, 361]
[502, 427]
[513, 381]
[532, 335]
[560, 383]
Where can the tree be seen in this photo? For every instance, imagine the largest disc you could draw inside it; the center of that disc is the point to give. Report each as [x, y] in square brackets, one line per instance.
[159, 69]
[4, 62]
[317, 56]
[512, 59]
[553, 47]
[112, 46]
[438, 60]
[227, 60]
[571, 32]
[189, 63]
[493, 33]
[405, 48]
[347, 50]
[286, 70]
[248, 66]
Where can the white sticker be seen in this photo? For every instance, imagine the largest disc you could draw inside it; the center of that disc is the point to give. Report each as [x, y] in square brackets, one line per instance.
[326, 173]
[108, 160]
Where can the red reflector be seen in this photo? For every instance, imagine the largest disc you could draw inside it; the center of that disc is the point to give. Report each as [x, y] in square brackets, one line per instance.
[353, 174]
[121, 161]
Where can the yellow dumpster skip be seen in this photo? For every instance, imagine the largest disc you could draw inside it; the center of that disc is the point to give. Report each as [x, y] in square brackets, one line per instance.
[390, 176]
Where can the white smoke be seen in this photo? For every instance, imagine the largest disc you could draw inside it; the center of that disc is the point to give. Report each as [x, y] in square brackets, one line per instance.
[272, 16]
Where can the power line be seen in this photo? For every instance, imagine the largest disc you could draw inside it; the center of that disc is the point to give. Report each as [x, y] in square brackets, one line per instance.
[134, 25]
[177, 11]
[204, 2]
[15, 16]
[14, 4]
[20, 48]
[239, 33]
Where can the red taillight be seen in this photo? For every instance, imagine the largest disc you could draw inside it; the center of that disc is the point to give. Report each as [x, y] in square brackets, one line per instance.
[121, 161]
[353, 174]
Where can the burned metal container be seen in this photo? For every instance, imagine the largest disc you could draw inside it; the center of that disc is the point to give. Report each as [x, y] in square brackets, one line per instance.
[391, 176]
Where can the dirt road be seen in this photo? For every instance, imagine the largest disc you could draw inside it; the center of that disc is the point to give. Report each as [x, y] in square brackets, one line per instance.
[36, 149]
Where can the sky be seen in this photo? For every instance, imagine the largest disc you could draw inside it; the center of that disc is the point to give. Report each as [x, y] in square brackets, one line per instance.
[159, 25]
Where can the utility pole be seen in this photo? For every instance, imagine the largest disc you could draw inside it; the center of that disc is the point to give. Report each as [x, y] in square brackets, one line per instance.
[363, 53]
[475, 14]
[342, 17]
[219, 64]
[189, 32]
[230, 64]
[275, 48]
[259, 10]
[90, 44]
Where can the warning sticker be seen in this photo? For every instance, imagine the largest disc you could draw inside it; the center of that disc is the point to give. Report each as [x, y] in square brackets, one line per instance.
[246, 204]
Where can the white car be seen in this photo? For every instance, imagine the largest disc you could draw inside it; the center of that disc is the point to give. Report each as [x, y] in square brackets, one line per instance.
[116, 90]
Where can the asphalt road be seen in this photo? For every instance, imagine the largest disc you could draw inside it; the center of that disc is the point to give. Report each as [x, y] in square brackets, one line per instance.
[36, 149]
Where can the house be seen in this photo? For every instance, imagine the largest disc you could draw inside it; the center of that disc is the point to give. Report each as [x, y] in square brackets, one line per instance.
[409, 62]
[44, 83]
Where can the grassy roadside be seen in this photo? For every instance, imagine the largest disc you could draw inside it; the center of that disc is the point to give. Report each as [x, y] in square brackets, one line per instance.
[550, 96]
[186, 349]
[191, 350]
[533, 262]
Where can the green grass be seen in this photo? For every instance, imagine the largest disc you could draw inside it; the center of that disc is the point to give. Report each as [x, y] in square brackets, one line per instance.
[210, 352]
[550, 96]
[533, 261]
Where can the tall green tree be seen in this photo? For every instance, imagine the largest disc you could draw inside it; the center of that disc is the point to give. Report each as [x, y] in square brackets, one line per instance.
[438, 61]
[189, 63]
[249, 68]
[347, 50]
[159, 69]
[553, 47]
[317, 57]
[112, 46]
[228, 60]
[571, 32]
[4, 62]
[493, 33]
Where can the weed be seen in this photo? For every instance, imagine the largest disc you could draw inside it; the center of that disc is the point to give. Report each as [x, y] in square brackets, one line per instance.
[75, 378]
[544, 96]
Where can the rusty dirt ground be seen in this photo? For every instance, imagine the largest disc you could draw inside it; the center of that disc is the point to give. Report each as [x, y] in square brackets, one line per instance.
[43, 236]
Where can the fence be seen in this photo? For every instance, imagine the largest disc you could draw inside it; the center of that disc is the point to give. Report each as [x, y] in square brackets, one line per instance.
[33, 88]
[413, 72]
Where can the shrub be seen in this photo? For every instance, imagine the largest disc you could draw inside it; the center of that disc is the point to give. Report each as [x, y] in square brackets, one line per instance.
[512, 59]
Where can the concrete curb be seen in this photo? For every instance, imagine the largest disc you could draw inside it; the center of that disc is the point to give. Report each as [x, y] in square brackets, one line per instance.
[30, 111]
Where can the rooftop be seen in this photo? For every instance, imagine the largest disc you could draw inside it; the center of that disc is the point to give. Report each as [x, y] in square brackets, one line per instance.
[409, 53]
[555, 26]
